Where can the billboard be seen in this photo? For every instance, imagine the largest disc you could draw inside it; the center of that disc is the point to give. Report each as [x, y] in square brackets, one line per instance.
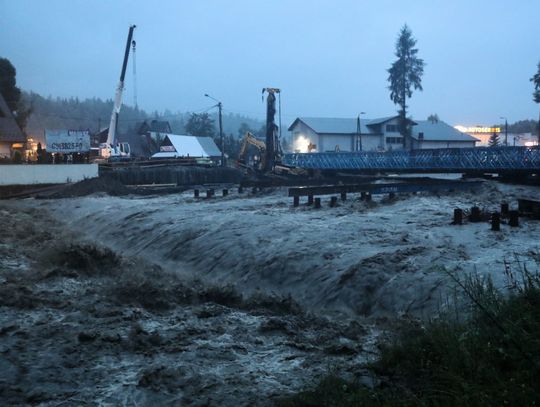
[67, 141]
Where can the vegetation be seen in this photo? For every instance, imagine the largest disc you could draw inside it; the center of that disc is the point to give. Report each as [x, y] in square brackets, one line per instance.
[404, 75]
[490, 358]
[536, 94]
[494, 140]
[11, 93]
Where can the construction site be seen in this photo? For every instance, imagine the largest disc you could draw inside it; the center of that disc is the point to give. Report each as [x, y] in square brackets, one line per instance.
[188, 278]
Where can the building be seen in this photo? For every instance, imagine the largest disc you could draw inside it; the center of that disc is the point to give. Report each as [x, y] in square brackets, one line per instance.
[484, 133]
[11, 137]
[320, 134]
[150, 136]
[182, 146]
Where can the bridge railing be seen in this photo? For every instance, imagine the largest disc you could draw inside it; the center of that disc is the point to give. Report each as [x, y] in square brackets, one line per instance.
[448, 159]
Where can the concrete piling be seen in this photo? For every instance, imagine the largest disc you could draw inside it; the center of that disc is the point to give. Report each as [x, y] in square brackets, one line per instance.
[333, 201]
[368, 197]
[344, 196]
[504, 209]
[195, 193]
[391, 195]
[362, 196]
[296, 201]
[317, 203]
[209, 193]
[458, 217]
[240, 189]
[225, 192]
[496, 221]
[254, 190]
[513, 218]
[475, 215]
[310, 200]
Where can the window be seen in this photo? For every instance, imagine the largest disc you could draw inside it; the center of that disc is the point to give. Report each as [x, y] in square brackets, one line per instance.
[391, 128]
[394, 140]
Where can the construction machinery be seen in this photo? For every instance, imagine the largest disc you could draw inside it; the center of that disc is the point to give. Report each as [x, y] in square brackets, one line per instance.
[249, 139]
[112, 149]
[273, 146]
[270, 153]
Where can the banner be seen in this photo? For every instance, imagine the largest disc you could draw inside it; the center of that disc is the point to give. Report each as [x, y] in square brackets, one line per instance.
[67, 141]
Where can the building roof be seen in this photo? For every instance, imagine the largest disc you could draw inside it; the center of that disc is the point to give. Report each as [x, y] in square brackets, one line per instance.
[155, 125]
[191, 146]
[9, 130]
[334, 125]
[439, 131]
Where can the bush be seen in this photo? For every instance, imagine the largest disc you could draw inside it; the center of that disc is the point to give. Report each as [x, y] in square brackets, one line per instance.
[16, 157]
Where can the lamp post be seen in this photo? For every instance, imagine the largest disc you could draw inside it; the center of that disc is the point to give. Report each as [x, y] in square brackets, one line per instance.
[505, 130]
[219, 106]
[359, 132]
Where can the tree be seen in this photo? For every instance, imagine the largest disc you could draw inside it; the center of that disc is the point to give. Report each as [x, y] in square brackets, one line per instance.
[433, 118]
[404, 75]
[200, 125]
[536, 94]
[11, 93]
[494, 140]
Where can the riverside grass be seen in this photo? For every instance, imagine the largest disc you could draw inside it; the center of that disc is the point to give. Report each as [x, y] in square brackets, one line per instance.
[490, 357]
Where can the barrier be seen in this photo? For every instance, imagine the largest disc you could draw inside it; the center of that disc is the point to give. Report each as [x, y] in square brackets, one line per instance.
[29, 174]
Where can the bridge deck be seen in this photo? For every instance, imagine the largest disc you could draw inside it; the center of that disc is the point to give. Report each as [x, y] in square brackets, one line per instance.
[486, 159]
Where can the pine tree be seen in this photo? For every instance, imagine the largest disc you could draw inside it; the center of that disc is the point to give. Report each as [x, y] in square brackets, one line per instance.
[494, 140]
[536, 94]
[404, 75]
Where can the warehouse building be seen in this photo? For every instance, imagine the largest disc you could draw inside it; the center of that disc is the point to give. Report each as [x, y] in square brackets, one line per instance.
[321, 134]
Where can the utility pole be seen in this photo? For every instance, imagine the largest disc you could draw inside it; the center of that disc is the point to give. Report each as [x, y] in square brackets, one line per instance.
[219, 106]
[505, 131]
[359, 131]
[221, 136]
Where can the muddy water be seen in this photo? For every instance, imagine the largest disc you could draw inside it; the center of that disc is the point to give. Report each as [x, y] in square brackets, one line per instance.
[81, 325]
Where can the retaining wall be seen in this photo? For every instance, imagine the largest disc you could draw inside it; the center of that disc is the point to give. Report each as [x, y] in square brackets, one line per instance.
[27, 174]
[175, 175]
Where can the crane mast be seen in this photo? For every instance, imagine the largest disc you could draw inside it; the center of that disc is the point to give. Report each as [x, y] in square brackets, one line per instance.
[111, 147]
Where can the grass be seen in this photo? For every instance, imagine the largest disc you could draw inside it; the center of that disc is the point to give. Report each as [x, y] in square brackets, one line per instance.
[491, 357]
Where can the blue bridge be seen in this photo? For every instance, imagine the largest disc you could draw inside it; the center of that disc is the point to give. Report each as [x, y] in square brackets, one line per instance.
[478, 159]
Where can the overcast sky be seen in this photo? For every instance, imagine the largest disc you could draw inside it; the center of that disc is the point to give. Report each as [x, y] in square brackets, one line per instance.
[328, 57]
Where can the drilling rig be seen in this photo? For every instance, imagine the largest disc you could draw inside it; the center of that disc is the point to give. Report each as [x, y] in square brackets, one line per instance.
[273, 146]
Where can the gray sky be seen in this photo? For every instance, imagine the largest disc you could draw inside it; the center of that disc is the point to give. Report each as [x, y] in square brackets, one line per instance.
[328, 57]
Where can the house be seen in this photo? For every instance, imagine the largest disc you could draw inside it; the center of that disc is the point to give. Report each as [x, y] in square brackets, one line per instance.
[11, 137]
[176, 146]
[320, 134]
[150, 136]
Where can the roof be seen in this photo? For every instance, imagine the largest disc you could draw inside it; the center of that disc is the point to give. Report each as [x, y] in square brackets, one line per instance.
[191, 146]
[9, 130]
[439, 131]
[155, 125]
[333, 125]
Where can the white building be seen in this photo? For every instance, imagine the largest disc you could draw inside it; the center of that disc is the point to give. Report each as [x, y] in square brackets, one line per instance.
[320, 134]
[181, 146]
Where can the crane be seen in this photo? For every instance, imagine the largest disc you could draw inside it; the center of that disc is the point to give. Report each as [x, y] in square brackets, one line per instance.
[111, 148]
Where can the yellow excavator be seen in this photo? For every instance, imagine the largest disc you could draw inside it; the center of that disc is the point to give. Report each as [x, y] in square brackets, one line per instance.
[250, 139]
[260, 159]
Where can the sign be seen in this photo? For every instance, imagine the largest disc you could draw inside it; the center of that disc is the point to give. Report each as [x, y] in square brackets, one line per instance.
[478, 129]
[67, 141]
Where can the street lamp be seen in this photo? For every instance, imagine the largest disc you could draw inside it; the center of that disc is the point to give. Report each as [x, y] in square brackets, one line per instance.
[505, 130]
[219, 106]
[359, 132]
